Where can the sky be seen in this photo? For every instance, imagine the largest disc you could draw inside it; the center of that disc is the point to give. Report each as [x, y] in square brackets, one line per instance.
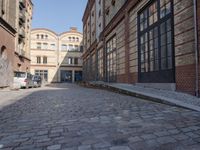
[58, 15]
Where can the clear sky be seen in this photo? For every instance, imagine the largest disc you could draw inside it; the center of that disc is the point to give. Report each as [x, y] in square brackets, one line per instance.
[58, 15]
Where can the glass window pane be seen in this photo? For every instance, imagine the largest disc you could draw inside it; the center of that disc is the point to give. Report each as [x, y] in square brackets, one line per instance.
[163, 40]
[163, 63]
[151, 20]
[163, 51]
[156, 65]
[151, 35]
[162, 12]
[169, 50]
[152, 66]
[156, 43]
[146, 66]
[162, 28]
[156, 53]
[169, 37]
[169, 25]
[151, 45]
[155, 32]
[169, 63]
[168, 8]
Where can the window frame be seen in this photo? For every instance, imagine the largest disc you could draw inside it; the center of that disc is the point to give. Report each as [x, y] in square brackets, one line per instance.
[149, 76]
[111, 59]
[38, 59]
[45, 60]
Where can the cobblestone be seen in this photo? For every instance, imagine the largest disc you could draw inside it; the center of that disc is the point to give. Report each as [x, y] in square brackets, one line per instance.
[70, 117]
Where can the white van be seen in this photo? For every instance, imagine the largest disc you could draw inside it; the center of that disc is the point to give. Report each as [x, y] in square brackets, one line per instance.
[23, 79]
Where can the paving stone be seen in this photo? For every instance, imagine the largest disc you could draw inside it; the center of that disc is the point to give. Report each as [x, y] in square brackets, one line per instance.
[67, 116]
[120, 148]
[180, 137]
[148, 136]
[102, 145]
[162, 133]
[54, 147]
[42, 132]
[85, 147]
[134, 139]
[165, 140]
[174, 131]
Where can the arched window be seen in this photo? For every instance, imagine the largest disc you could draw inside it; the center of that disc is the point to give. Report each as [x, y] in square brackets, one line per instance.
[37, 36]
[3, 53]
[69, 38]
[77, 39]
[73, 39]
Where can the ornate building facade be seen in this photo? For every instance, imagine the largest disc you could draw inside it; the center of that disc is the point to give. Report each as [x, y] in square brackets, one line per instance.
[57, 58]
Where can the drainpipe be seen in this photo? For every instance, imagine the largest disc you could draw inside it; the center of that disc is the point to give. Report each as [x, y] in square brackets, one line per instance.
[196, 49]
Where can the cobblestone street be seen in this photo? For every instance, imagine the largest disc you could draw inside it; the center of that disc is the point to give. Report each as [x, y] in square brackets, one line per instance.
[70, 117]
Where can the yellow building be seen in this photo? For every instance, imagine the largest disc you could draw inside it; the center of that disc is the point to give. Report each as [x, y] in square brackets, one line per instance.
[57, 58]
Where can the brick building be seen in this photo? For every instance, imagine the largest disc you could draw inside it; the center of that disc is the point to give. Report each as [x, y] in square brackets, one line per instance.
[15, 25]
[7, 41]
[149, 43]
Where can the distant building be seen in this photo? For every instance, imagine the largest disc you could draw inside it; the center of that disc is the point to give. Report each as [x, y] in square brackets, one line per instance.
[56, 58]
[148, 42]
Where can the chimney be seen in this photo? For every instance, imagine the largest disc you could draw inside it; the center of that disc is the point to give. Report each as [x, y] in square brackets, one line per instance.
[73, 29]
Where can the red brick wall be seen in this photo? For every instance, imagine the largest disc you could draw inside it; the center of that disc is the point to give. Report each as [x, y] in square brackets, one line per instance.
[25, 64]
[198, 15]
[6, 66]
[133, 78]
[122, 78]
[185, 79]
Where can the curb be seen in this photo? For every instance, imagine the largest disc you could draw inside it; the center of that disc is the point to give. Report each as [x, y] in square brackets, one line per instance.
[159, 99]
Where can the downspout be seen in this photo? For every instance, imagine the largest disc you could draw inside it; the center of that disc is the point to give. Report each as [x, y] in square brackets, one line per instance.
[196, 50]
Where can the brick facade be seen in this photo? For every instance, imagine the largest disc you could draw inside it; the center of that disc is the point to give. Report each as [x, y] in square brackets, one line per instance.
[7, 46]
[7, 42]
[121, 20]
[21, 63]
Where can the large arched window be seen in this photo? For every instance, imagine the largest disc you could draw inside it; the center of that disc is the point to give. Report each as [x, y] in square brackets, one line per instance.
[155, 42]
[3, 53]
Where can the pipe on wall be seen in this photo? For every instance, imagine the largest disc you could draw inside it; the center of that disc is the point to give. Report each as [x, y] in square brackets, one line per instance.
[196, 50]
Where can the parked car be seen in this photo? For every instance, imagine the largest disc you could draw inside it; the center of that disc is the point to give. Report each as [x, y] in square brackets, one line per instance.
[23, 79]
[37, 81]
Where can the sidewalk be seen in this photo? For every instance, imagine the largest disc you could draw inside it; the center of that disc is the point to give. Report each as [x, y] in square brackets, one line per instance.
[162, 96]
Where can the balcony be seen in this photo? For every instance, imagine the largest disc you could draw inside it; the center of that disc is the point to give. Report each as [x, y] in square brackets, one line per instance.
[22, 3]
[21, 33]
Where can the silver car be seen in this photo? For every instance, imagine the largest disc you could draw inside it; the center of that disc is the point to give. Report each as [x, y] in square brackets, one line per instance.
[23, 79]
